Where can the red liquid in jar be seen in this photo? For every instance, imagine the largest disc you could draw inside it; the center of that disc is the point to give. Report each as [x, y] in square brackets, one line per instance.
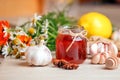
[76, 53]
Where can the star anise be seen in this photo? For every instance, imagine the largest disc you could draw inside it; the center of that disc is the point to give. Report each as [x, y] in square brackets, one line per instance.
[61, 63]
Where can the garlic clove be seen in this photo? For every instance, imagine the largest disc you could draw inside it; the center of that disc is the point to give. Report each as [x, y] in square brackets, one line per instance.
[29, 54]
[93, 49]
[114, 48]
[102, 59]
[95, 59]
[35, 59]
[106, 54]
[47, 58]
[106, 48]
[100, 47]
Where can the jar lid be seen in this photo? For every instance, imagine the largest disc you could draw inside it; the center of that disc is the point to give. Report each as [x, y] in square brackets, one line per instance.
[72, 30]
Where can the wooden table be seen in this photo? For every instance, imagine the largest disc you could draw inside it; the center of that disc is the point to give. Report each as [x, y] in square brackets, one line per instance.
[16, 69]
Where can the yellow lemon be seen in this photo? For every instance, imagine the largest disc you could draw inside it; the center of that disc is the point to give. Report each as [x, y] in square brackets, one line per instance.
[96, 24]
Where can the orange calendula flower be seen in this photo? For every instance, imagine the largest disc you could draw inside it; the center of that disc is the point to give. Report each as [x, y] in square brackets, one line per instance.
[25, 39]
[3, 39]
[4, 35]
[3, 24]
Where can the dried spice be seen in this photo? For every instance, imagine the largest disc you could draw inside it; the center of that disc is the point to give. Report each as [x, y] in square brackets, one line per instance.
[118, 55]
[61, 63]
[70, 66]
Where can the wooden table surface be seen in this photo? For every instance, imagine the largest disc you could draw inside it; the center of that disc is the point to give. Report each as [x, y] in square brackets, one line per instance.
[16, 69]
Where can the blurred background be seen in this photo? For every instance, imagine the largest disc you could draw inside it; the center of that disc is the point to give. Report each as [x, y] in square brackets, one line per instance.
[15, 10]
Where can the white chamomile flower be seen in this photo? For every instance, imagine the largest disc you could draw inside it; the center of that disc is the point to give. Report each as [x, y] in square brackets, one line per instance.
[22, 49]
[15, 33]
[35, 18]
[5, 31]
[19, 31]
[46, 23]
[45, 28]
[5, 50]
[11, 36]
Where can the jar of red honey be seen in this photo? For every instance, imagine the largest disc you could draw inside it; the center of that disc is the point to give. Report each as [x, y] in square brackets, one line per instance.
[71, 44]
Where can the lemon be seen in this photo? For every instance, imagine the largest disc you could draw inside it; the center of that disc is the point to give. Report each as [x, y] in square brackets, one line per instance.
[96, 24]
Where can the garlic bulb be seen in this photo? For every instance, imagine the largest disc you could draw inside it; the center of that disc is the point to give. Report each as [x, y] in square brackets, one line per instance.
[102, 47]
[116, 36]
[38, 55]
[98, 44]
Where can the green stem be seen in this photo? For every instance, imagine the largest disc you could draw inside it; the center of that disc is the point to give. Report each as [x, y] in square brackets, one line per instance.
[25, 23]
[52, 35]
[53, 24]
[53, 29]
[38, 23]
[38, 28]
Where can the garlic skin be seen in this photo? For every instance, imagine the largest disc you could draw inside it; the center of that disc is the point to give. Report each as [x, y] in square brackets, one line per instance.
[93, 49]
[38, 55]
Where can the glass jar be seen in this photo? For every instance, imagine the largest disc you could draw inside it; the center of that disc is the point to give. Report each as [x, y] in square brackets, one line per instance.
[71, 44]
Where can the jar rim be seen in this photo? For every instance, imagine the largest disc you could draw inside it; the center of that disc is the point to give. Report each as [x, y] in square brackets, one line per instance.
[67, 29]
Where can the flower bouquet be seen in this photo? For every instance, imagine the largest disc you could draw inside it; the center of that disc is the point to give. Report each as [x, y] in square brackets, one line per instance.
[15, 41]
